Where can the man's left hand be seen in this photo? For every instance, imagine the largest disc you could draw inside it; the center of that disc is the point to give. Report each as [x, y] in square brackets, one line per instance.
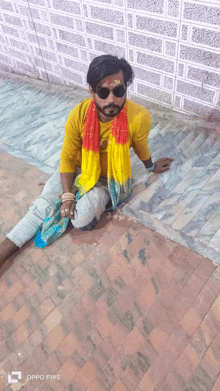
[162, 165]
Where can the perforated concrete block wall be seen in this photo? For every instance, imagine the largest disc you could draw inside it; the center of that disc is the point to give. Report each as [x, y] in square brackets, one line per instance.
[172, 45]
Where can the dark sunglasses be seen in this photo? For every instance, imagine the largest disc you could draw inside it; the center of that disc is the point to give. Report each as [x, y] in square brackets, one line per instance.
[118, 91]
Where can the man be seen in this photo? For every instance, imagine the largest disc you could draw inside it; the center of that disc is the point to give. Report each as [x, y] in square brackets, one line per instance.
[95, 164]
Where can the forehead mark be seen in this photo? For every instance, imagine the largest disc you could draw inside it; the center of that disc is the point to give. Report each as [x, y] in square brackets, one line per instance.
[109, 80]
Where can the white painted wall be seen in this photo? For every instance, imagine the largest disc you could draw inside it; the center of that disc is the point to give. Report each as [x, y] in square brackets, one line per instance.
[172, 45]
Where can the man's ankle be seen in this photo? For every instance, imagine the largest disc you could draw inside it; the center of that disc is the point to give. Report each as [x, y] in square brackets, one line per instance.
[7, 248]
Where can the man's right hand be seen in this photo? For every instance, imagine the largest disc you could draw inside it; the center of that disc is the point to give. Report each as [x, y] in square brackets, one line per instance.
[67, 209]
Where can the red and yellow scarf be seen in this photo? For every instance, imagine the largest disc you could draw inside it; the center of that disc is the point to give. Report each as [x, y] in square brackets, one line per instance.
[119, 165]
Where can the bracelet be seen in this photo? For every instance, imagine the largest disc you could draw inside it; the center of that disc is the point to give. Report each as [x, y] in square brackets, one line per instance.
[150, 168]
[68, 197]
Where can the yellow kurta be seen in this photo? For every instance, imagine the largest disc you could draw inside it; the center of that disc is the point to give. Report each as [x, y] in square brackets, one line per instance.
[139, 124]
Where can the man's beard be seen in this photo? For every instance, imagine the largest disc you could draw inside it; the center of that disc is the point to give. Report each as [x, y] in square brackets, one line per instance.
[110, 113]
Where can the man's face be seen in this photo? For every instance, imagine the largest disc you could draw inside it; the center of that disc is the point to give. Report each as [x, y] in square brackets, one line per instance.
[111, 106]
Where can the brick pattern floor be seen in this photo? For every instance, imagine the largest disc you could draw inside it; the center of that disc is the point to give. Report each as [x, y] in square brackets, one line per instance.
[119, 308]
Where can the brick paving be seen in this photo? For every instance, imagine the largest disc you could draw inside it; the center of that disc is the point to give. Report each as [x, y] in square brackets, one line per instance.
[119, 308]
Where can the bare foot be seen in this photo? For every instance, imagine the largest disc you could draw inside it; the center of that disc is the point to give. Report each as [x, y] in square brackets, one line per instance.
[7, 248]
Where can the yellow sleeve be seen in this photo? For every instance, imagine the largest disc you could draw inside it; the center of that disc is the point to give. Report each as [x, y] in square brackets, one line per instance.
[140, 137]
[72, 142]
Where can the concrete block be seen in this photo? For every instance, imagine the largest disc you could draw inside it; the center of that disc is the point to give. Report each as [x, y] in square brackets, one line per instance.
[5, 59]
[46, 54]
[202, 13]
[55, 34]
[40, 28]
[50, 44]
[147, 5]
[43, 74]
[55, 78]
[145, 75]
[200, 56]
[173, 8]
[70, 7]
[130, 20]
[203, 76]
[79, 24]
[10, 30]
[131, 55]
[145, 42]
[199, 109]
[17, 54]
[99, 30]
[85, 10]
[181, 70]
[4, 40]
[153, 93]
[77, 66]
[155, 62]
[118, 3]
[14, 20]
[25, 67]
[73, 76]
[107, 15]
[44, 15]
[19, 45]
[76, 39]
[6, 5]
[170, 48]
[168, 82]
[33, 38]
[120, 35]
[60, 59]
[83, 55]
[61, 20]
[195, 91]
[107, 48]
[23, 35]
[56, 70]
[106, 1]
[157, 26]
[38, 62]
[25, 11]
[131, 88]
[41, 3]
[206, 37]
[89, 40]
[177, 101]
[184, 32]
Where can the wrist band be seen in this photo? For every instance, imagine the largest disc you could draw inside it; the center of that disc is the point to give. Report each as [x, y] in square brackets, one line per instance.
[151, 168]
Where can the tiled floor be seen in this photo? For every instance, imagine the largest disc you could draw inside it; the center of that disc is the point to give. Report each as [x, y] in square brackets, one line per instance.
[182, 204]
[119, 308]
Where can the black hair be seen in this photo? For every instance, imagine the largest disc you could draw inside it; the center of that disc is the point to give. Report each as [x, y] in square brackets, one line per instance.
[107, 65]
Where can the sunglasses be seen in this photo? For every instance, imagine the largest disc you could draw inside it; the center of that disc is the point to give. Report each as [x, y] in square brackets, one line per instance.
[118, 91]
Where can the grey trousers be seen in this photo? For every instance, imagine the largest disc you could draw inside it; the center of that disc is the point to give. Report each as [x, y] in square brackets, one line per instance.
[88, 209]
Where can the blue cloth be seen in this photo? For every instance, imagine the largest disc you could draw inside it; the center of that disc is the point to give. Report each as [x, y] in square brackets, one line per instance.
[52, 227]
[55, 225]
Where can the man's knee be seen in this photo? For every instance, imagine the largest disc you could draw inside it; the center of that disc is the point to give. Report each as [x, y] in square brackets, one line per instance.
[89, 208]
[40, 208]
[90, 226]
